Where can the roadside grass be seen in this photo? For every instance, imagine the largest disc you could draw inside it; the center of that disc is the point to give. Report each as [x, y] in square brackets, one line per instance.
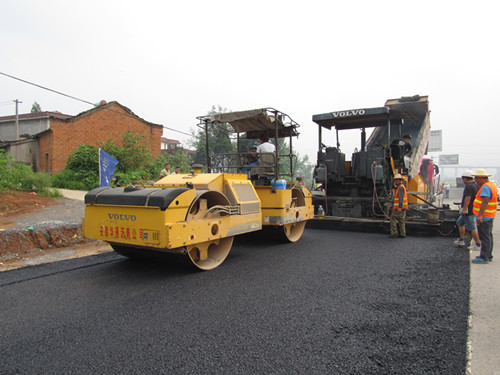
[17, 176]
[49, 192]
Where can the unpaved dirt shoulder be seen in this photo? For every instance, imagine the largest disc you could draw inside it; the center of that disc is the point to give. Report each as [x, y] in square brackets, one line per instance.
[35, 229]
[15, 204]
[19, 248]
[34, 257]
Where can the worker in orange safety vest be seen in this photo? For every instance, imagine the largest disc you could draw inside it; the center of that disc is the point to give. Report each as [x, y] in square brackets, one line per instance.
[399, 207]
[485, 209]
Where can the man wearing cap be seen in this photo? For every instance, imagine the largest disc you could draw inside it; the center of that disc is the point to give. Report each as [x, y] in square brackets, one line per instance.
[485, 209]
[467, 220]
[404, 143]
[399, 207]
[401, 147]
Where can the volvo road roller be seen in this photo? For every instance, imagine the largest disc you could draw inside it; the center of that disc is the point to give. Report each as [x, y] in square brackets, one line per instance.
[195, 216]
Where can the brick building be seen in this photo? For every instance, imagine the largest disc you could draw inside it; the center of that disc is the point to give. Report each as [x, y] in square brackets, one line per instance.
[169, 145]
[107, 121]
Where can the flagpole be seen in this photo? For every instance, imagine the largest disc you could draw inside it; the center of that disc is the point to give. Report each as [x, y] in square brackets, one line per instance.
[99, 163]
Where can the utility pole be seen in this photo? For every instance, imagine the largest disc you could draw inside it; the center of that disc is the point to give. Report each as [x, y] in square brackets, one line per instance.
[17, 118]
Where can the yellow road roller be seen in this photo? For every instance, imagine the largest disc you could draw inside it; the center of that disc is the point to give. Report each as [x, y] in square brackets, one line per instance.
[195, 216]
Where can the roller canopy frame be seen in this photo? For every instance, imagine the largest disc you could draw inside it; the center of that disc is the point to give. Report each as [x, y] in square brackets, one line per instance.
[255, 122]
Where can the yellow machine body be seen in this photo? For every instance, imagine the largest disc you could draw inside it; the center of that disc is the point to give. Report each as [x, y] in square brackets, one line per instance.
[285, 206]
[171, 228]
[201, 215]
[417, 185]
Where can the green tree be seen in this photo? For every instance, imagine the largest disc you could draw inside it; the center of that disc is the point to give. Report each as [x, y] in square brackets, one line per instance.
[35, 108]
[219, 140]
[302, 167]
[133, 154]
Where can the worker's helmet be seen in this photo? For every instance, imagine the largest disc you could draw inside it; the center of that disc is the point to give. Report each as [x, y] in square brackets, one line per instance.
[481, 172]
[468, 173]
[397, 176]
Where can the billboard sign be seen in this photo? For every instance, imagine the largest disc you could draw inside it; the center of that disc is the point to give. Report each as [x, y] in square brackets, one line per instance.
[435, 141]
[448, 159]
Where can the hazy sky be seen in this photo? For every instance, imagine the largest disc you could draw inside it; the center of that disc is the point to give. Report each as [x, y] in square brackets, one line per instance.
[170, 61]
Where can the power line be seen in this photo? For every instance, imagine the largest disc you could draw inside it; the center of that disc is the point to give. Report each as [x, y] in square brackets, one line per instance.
[81, 100]
[178, 131]
[46, 88]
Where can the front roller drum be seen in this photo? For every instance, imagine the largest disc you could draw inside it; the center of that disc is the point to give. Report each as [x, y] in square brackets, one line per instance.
[210, 254]
[203, 255]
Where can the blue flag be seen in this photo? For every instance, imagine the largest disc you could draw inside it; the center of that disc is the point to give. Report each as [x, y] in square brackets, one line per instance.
[107, 165]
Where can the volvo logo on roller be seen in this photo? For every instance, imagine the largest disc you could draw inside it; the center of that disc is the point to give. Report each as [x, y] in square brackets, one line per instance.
[122, 217]
[352, 112]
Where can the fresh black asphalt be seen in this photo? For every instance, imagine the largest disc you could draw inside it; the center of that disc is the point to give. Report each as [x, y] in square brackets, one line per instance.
[332, 303]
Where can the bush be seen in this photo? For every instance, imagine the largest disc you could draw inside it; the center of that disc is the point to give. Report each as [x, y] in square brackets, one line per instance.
[84, 159]
[40, 183]
[13, 175]
[52, 193]
[82, 170]
[69, 179]
[135, 178]
[17, 176]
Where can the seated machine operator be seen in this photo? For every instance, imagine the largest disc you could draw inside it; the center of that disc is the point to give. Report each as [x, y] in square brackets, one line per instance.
[264, 147]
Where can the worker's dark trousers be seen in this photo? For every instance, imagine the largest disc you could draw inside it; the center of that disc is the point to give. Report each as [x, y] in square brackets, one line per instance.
[485, 231]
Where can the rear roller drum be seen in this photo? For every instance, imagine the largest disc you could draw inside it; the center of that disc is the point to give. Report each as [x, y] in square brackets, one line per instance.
[292, 232]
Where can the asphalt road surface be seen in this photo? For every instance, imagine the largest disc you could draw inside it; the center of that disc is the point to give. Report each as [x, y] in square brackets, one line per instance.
[333, 303]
